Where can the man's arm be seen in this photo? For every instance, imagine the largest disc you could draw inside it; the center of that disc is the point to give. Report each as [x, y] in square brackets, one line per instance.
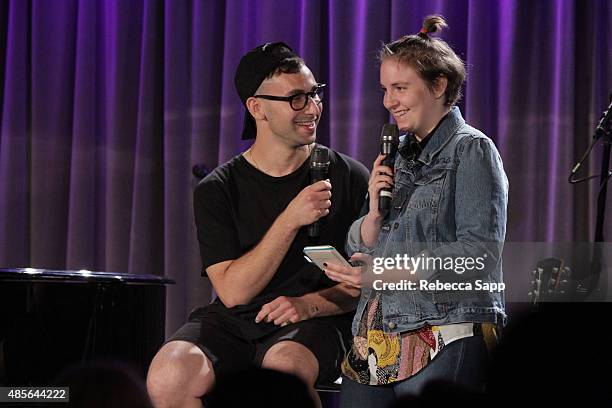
[240, 280]
[336, 300]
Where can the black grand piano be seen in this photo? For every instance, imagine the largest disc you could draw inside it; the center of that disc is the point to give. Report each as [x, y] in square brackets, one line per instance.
[51, 320]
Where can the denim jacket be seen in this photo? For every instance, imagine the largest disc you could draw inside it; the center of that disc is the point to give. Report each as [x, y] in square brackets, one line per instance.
[450, 202]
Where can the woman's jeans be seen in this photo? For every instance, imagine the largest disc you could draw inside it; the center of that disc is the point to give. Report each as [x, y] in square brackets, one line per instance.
[463, 363]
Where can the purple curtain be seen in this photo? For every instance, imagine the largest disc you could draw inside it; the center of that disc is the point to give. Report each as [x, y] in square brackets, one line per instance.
[106, 105]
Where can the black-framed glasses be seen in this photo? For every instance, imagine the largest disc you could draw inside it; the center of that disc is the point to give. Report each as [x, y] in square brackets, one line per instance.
[299, 100]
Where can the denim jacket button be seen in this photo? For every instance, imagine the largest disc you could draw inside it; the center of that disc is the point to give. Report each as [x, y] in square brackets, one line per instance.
[391, 325]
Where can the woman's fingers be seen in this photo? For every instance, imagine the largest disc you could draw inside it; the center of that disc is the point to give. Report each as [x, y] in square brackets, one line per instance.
[339, 273]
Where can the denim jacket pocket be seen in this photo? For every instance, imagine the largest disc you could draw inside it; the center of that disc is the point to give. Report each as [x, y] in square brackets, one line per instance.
[428, 190]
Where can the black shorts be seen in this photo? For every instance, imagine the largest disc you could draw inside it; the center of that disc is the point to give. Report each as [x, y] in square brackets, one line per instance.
[327, 337]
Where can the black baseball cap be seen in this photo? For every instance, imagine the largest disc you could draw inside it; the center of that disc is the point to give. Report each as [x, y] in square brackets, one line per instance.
[253, 68]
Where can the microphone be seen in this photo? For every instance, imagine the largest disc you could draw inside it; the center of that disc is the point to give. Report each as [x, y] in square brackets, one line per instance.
[605, 123]
[389, 140]
[319, 169]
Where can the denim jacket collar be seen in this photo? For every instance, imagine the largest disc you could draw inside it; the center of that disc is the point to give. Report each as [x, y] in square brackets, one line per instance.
[441, 136]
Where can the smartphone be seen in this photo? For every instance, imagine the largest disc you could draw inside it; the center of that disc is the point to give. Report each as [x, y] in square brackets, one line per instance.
[324, 254]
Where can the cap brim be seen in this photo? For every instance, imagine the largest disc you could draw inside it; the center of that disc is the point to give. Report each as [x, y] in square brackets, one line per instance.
[249, 129]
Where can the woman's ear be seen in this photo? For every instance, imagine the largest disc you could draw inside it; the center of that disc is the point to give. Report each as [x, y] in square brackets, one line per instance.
[255, 108]
[440, 86]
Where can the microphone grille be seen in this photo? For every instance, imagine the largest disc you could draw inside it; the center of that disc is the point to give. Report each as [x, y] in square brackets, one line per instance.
[390, 133]
[319, 157]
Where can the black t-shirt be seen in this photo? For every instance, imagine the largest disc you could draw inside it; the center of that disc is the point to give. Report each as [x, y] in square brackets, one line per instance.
[235, 206]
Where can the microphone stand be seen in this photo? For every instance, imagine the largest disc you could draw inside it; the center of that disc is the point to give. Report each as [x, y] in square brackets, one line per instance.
[601, 201]
[604, 132]
[596, 264]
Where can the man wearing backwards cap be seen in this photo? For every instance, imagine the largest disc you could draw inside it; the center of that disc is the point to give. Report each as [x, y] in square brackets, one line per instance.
[273, 309]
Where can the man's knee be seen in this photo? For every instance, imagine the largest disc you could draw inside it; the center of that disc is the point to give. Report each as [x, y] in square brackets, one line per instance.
[293, 358]
[179, 372]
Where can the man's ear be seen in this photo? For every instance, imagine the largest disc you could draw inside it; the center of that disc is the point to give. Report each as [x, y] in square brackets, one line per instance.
[255, 108]
[440, 86]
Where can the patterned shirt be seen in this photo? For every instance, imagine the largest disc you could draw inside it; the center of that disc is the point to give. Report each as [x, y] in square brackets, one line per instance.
[378, 358]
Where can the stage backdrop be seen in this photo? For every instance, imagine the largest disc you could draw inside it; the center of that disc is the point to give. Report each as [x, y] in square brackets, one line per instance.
[106, 105]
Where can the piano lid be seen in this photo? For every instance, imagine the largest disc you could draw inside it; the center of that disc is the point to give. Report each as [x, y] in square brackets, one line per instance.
[82, 276]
